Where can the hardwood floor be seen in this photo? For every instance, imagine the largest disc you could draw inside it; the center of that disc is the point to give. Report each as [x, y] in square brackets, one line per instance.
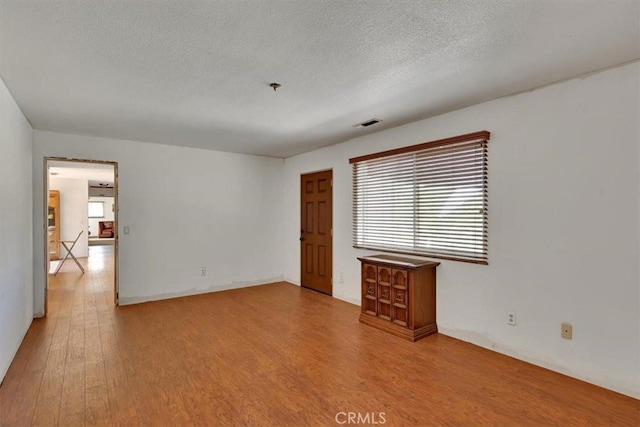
[274, 355]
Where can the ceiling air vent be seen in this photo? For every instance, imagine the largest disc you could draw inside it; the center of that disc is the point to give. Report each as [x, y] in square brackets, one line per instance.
[367, 123]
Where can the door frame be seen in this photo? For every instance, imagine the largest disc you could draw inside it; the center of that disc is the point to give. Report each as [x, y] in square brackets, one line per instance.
[302, 174]
[45, 198]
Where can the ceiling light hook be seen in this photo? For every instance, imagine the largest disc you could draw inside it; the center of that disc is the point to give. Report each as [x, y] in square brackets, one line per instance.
[275, 86]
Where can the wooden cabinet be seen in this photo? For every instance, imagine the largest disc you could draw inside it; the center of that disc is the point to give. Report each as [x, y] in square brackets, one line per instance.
[399, 295]
[53, 225]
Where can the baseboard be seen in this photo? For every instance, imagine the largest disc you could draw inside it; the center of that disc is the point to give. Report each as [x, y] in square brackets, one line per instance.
[483, 341]
[336, 296]
[190, 292]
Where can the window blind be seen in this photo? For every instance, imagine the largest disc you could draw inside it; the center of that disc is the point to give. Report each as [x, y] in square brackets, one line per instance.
[429, 199]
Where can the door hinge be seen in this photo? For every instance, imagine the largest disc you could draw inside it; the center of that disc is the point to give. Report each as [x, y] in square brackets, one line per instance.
[332, 232]
[331, 182]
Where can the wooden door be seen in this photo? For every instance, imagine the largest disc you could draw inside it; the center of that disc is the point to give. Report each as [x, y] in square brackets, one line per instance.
[316, 231]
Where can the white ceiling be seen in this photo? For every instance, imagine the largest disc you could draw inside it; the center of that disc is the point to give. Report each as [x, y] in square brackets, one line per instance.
[95, 173]
[196, 73]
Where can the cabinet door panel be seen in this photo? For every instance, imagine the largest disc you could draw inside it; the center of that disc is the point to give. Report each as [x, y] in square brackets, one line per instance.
[384, 276]
[400, 278]
[384, 310]
[384, 301]
[400, 297]
[369, 306]
[369, 291]
[384, 292]
[401, 316]
[369, 279]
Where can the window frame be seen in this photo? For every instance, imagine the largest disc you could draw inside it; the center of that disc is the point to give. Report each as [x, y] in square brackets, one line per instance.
[95, 202]
[479, 142]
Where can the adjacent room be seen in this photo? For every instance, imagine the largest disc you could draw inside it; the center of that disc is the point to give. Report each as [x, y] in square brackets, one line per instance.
[81, 209]
[404, 213]
[81, 218]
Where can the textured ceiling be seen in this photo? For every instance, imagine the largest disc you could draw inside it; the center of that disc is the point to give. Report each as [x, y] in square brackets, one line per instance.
[196, 73]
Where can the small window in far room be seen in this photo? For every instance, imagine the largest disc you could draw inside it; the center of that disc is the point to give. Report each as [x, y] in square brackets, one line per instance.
[96, 209]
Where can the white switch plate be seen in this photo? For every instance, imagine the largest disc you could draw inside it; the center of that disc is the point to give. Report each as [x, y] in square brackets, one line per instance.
[126, 229]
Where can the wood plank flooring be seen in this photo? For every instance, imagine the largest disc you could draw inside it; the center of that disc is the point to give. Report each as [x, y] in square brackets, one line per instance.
[274, 355]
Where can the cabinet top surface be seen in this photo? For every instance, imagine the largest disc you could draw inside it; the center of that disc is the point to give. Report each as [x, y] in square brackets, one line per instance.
[398, 260]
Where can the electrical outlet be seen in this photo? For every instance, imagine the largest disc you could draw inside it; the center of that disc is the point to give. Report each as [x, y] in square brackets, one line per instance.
[511, 318]
[203, 271]
[566, 331]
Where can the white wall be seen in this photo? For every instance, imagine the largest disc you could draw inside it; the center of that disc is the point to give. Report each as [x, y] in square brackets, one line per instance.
[74, 197]
[16, 252]
[94, 226]
[186, 208]
[563, 226]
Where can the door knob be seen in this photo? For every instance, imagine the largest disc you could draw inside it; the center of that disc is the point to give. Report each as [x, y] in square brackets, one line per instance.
[302, 239]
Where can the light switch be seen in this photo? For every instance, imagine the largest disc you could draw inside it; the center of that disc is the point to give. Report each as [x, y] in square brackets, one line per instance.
[126, 229]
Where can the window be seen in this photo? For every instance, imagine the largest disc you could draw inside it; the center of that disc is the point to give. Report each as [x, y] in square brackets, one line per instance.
[96, 209]
[428, 199]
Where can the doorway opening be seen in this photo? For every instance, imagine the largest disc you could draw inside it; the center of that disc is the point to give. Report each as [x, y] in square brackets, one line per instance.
[316, 231]
[81, 232]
